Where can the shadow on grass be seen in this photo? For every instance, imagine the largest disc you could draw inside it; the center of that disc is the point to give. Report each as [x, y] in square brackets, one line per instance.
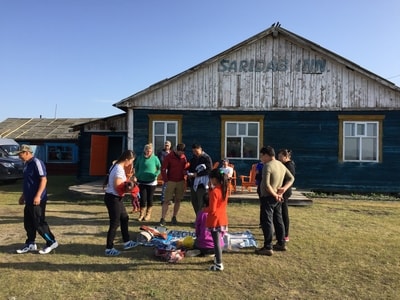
[141, 258]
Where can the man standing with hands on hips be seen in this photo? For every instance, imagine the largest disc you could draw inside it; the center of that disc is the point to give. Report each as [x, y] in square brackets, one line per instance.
[34, 196]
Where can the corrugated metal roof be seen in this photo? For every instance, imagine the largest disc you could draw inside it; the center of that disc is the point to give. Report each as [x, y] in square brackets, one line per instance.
[41, 128]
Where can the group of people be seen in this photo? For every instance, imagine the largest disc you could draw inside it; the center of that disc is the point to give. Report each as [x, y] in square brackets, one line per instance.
[208, 194]
[208, 189]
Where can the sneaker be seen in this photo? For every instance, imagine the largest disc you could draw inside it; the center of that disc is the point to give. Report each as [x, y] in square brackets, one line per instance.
[48, 249]
[174, 221]
[27, 248]
[112, 252]
[286, 239]
[129, 244]
[192, 253]
[278, 247]
[264, 251]
[162, 222]
[216, 267]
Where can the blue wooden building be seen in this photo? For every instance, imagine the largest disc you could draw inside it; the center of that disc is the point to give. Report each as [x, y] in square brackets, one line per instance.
[276, 88]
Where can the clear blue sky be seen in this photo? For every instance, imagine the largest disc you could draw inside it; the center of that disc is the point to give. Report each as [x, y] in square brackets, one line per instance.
[75, 58]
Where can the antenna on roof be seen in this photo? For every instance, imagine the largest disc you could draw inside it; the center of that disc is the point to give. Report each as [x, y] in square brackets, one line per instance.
[55, 113]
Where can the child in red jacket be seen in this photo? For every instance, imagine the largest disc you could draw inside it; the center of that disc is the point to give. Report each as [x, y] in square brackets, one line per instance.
[217, 218]
[133, 189]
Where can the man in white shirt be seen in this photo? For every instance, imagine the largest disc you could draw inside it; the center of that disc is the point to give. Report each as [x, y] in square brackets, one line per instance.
[226, 168]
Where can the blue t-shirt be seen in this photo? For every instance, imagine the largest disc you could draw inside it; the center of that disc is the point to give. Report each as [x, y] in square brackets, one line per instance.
[34, 170]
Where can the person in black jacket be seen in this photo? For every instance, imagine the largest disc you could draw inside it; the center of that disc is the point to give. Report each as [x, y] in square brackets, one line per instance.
[285, 156]
[198, 176]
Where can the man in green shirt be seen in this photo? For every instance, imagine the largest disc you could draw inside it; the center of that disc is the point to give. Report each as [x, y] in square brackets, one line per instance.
[271, 197]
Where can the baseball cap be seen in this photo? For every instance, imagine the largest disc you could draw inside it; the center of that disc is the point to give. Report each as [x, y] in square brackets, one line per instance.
[24, 148]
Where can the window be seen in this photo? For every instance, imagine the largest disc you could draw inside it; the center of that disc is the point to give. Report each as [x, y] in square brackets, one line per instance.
[61, 153]
[241, 138]
[164, 127]
[361, 138]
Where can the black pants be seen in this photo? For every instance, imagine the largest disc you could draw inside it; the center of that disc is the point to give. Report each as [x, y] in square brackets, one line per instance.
[34, 221]
[118, 216]
[271, 217]
[197, 198]
[285, 215]
[146, 195]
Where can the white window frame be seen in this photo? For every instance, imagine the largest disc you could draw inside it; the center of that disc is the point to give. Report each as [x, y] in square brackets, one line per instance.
[243, 122]
[361, 137]
[159, 139]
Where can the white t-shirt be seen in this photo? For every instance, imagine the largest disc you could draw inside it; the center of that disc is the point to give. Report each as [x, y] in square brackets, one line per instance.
[228, 171]
[116, 172]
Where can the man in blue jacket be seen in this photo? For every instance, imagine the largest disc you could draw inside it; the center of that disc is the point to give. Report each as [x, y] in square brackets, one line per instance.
[34, 196]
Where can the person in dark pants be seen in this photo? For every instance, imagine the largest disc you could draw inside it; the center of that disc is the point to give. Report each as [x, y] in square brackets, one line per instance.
[115, 205]
[34, 197]
[198, 174]
[147, 169]
[271, 197]
[285, 156]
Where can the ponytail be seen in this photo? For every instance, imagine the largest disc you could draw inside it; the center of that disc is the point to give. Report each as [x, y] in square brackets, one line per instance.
[222, 178]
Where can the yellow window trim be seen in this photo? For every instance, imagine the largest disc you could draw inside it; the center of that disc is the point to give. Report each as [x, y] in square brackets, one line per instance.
[241, 118]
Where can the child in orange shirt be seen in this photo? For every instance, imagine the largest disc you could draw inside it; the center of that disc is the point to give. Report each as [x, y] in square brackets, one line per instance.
[217, 218]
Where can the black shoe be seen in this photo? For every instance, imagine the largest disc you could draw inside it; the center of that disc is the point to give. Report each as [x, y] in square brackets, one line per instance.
[279, 247]
[264, 251]
[174, 221]
[162, 222]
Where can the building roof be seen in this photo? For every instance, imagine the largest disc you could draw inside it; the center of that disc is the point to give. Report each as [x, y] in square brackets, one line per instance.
[274, 31]
[41, 128]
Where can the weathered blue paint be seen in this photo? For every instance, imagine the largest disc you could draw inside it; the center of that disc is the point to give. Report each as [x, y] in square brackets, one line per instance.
[313, 137]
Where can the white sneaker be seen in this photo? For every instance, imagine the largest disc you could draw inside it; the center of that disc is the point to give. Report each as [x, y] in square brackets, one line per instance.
[112, 252]
[129, 244]
[27, 248]
[216, 267]
[48, 249]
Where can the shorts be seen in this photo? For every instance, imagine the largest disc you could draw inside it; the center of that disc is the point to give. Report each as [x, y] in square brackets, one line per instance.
[174, 188]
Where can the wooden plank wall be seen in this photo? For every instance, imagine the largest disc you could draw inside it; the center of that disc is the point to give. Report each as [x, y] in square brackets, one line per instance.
[291, 77]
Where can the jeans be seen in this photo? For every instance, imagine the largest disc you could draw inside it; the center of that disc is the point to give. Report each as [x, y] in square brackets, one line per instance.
[271, 217]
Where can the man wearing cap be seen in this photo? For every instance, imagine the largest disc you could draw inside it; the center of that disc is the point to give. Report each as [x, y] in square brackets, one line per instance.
[161, 155]
[34, 196]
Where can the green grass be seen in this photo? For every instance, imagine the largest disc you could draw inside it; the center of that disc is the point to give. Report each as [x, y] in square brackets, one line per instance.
[339, 249]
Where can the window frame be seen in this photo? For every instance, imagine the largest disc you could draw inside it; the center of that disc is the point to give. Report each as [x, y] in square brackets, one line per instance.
[361, 119]
[165, 119]
[50, 146]
[241, 119]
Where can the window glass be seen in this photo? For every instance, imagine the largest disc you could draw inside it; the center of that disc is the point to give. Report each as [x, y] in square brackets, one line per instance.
[242, 139]
[231, 129]
[60, 153]
[360, 141]
[163, 131]
[233, 147]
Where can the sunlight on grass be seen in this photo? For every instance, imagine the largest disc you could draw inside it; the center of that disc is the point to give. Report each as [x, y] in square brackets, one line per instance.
[338, 249]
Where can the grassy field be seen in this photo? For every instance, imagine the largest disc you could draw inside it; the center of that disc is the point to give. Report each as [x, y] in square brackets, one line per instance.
[338, 249]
